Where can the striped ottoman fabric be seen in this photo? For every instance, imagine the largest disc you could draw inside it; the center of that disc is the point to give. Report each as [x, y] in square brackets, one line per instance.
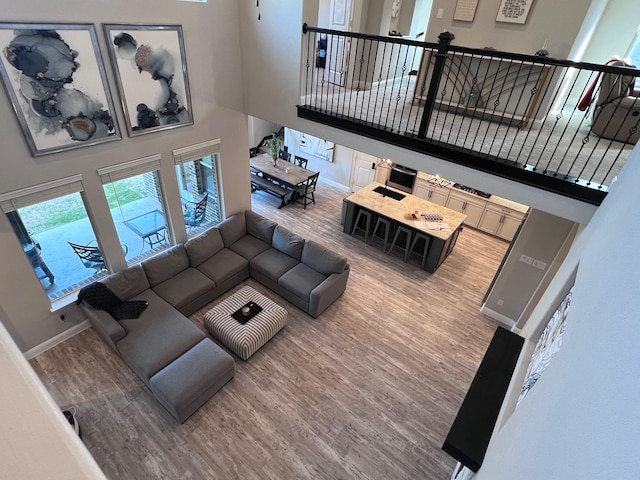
[245, 340]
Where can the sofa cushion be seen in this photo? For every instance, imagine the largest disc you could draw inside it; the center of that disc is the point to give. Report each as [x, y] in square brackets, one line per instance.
[259, 226]
[322, 260]
[272, 263]
[159, 336]
[204, 246]
[287, 242]
[250, 246]
[185, 287]
[128, 283]
[233, 229]
[301, 280]
[166, 264]
[223, 265]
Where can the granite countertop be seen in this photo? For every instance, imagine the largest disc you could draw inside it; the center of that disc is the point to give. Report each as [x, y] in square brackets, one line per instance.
[396, 209]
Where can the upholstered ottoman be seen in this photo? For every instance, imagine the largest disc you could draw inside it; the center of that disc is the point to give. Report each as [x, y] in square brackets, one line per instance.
[190, 380]
[245, 340]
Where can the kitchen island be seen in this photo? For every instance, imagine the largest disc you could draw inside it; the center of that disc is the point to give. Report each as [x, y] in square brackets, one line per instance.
[384, 204]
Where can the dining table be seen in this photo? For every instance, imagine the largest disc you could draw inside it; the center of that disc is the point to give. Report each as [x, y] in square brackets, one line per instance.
[284, 174]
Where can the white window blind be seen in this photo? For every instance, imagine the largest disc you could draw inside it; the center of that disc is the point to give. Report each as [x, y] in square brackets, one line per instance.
[196, 152]
[129, 169]
[24, 197]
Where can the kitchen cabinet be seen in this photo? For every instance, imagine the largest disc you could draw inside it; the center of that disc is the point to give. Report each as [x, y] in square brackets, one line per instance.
[471, 205]
[500, 221]
[430, 192]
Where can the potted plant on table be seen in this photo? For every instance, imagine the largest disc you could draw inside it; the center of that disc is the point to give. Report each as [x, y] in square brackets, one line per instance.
[274, 145]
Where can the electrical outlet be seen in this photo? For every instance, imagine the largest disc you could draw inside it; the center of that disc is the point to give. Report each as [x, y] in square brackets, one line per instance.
[539, 264]
[440, 13]
[500, 302]
[526, 259]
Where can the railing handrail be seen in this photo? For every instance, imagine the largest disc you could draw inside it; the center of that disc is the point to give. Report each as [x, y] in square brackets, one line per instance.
[563, 122]
[487, 52]
[367, 36]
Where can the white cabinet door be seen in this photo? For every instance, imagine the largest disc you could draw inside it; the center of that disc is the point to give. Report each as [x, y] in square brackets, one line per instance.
[500, 221]
[470, 205]
[490, 221]
[431, 193]
[473, 211]
[422, 191]
[439, 195]
[509, 227]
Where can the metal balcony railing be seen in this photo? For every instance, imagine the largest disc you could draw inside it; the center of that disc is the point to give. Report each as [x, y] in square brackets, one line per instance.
[562, 126]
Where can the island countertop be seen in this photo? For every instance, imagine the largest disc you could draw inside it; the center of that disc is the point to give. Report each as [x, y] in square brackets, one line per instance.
[396, 209]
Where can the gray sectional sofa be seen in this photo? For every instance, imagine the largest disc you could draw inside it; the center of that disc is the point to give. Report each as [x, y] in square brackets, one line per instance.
[174, 358]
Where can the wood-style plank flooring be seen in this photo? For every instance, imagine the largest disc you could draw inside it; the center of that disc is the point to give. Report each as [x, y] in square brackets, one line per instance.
[366, 391]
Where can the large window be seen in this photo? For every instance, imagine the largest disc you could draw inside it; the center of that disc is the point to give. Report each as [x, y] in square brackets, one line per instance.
[51, 224]
[135, 197]
[198, 182]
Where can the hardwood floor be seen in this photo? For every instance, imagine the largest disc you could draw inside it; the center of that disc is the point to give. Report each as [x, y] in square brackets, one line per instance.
[366, 391]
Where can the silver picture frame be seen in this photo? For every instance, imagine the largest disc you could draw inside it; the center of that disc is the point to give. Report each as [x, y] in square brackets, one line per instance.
[150, 66]
[55, 78]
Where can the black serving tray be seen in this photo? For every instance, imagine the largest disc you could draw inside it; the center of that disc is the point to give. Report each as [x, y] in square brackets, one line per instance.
[254, 310]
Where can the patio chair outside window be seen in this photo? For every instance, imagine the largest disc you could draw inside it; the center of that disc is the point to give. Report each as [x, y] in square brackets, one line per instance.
[91, 256]
[194, 213]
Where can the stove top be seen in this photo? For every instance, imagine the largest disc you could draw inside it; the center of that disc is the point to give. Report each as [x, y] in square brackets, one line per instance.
[471, 190]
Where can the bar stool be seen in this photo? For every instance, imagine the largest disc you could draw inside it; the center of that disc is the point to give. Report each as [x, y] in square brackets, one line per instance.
[425, 251]
[366, 215]
[400, 230]
[386, 224]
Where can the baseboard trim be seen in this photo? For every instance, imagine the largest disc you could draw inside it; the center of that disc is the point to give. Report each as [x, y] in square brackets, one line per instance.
[333, 184]
[52, 342]
[498, 317]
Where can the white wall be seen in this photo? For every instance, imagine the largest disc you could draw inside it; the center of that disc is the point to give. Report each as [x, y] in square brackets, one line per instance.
[213, 62]
[555, 22]
[542, 237]
[581, 419]
[36, 441]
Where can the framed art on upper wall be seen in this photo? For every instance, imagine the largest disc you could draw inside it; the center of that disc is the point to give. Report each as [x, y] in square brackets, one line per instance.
[55, 78]
[150, 66]
[514, 11]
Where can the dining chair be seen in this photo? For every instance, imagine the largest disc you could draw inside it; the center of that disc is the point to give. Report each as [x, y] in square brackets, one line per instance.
[194, 212]
[286, 156]
[306, 191]
[301, 162]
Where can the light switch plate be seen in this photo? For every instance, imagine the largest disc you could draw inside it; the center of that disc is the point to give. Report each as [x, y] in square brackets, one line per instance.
[539, 264]
[526, 259]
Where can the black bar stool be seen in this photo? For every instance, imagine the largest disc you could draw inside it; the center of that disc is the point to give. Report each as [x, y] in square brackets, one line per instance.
[386, 225]
[366, 216]
[399, 231]
[425, 251]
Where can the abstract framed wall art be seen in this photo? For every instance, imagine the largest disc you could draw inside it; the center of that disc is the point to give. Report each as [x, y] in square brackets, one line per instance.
[55, 78]
[317, 147]
[150, 65]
